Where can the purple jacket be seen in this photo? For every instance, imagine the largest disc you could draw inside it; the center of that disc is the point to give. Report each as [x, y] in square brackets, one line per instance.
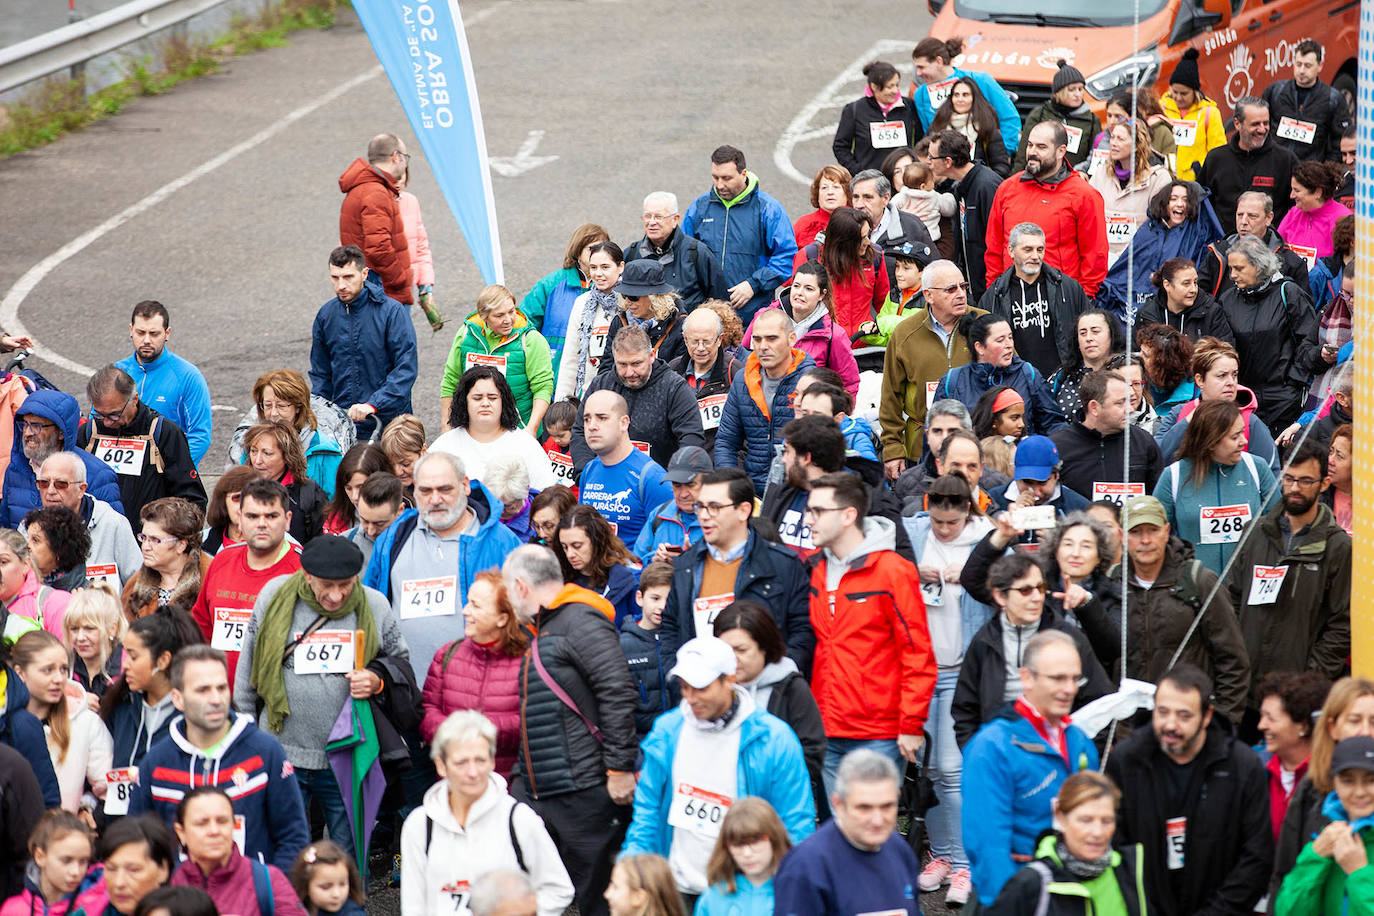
[231, 887]
[481, 678]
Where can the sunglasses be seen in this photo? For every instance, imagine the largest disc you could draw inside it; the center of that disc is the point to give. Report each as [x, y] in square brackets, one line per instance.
[1025, 591]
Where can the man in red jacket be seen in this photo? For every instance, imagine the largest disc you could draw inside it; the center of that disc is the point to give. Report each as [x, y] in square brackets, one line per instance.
[874, 669]
[371, 217]
[1052, 195]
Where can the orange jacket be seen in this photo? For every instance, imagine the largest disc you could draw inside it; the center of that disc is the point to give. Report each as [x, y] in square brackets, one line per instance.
[371, 219]
[874, 670]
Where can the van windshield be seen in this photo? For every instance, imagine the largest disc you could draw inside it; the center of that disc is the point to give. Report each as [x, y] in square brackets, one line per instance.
[1057, 13]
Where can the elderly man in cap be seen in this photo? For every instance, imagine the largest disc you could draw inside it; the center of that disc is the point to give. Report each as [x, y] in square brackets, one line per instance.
[699, 759]
[672, 526]
[301, 662]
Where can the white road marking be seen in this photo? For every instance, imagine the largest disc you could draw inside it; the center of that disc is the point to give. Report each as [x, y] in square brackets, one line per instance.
[14, 298]
[800, 130]
[524, 160]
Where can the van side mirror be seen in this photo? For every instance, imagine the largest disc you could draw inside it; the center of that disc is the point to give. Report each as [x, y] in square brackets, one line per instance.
[1192, 21]
[1221, 9]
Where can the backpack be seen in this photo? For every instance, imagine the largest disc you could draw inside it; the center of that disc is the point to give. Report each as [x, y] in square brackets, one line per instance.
[510, 827]
[1245, 457]
[262, 889]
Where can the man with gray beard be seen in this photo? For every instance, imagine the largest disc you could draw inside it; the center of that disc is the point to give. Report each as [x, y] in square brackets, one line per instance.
[45, 424]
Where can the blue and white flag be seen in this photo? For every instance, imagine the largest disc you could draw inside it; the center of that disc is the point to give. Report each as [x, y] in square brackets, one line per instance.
[424, 50]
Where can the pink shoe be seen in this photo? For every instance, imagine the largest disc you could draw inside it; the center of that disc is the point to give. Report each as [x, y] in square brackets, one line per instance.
[960, 887]
[935, 874]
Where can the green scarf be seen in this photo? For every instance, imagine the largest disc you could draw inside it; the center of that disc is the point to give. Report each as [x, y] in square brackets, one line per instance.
[269, 677]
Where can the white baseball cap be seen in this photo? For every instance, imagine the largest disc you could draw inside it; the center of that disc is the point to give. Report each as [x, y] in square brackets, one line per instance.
[702, 660]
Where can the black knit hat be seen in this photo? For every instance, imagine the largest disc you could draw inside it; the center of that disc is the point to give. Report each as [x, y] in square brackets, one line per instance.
[1066, 75]
[1185, 74]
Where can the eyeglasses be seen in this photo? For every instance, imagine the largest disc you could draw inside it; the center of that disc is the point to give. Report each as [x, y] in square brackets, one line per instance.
[1077, 680]
[35, 426]
[694, 343]
[1304, 482]
[145, 539]
[949, 290]
[706, 510]
[657, 217]
[406, 155]
[47, 483]
[1025, 590]
[112, 415]
[820, 510]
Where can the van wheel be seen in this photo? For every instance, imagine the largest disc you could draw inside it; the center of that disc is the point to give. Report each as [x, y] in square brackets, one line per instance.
[1344, 83]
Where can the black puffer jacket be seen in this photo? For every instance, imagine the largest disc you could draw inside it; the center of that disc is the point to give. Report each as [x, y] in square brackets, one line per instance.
[1229, 171]
[1214, 274]
[974, 192]
[308, 505]
[1325, 108]
[881, 500]
[1090, 457]
[663, 413]
[21, 805]
[580, 650]
[1303, 821]
[1204, 319]
[1277, 340]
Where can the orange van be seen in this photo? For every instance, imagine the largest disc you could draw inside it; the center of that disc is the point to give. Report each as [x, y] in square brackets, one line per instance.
[1244, 45]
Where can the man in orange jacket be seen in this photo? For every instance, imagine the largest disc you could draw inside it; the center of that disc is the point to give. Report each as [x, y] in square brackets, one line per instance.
[371, 216]
[874, 670]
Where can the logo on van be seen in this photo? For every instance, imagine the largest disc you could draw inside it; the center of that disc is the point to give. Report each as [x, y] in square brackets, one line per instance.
[1050, 57]
[1238, 81]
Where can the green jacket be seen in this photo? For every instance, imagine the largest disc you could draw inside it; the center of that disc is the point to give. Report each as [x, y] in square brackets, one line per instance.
[916, 356]
[1046, 888]
[528, 363]
[1317, 886]
[892, 313]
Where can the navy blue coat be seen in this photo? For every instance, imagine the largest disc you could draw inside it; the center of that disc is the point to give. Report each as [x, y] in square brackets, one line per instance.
[745, 425]
[364, 352]
[21, 730]
[21, 490]
[969, 383]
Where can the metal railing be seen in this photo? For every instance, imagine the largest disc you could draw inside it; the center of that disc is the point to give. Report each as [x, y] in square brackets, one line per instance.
[74, 44]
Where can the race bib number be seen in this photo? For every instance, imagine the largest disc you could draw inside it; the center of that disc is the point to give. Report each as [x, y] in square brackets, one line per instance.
[1032, 518]
[1293, 129]
[698, 810]
[711, 407]
[705, 610]
[940, 91]
[562, 469]
[596, 347]
[1120, 229]
[1185, 132]
[325, 652]
[119, 788]
[887, 134]
[1116, 492]
[1175, 838]
[240, 832]
[1075, 137]
[1098, 161]
[496, 361]
[642, 446]
[930, 394]
[123, 456]
[458, 892]
[1265, 584]
[231, 623]
[104, 572]
[1307, 253]
[1223, 524]
[933, 593]
[437, 597]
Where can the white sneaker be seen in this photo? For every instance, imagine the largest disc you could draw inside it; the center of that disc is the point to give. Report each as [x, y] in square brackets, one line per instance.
[960, 888]
[935, 874]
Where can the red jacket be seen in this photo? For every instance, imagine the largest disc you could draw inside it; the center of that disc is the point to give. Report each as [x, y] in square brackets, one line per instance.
[230, 585]
[874, 670]
[1073, 216]
[371, 219]
[858, 297]
[481, 678]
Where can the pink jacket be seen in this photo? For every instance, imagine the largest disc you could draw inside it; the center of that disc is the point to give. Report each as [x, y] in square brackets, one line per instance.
[90, 897]
[827, 345]
[481, 678]
[421, 261]
[25, 604]
[231, 887]
[1312, 229]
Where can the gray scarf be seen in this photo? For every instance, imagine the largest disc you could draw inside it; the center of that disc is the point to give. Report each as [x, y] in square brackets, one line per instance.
[1082, 869]
[597, 301]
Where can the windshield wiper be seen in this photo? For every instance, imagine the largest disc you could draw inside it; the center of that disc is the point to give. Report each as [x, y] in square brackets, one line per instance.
[1042, 19]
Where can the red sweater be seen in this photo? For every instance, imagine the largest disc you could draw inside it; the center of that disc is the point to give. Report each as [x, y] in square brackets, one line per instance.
[481, 678]
[230, 585]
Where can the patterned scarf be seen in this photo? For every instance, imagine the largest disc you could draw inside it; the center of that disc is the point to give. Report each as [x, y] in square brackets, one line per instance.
[598, 303]
[1338, 324]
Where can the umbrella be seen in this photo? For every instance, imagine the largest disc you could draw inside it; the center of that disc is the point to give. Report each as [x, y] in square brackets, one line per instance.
[354, 756]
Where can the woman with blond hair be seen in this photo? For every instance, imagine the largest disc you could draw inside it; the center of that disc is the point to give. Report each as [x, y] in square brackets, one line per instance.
[275, 452]
[1127, 180]
[93, 630]
[499, 335]
[284, 395]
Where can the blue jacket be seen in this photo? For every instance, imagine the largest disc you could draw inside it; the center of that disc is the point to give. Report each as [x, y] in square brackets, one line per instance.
[251, 766]
[21, 730]
[1223, 486]
[970, 382]
[21, 490]
[364, 352]
[858, 437]
[770, 767]
[549, 304]
[747, 900]
[621, 584]
[667, 524]
[1010, 776]
[322, 459]
[644, 654]
[1007, 118]
[751, 238]
[481, 551]
[972, 613]
[128, 728]
[746, 422]
[176, 389]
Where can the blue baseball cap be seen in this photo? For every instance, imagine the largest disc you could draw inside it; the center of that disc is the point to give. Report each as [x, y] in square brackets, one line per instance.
[1036, 458]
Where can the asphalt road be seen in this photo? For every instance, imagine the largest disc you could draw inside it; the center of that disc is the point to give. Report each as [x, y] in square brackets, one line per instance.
[220, 199]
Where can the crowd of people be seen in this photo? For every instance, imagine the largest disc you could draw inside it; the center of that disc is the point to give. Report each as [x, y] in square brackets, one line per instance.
[1008, 490]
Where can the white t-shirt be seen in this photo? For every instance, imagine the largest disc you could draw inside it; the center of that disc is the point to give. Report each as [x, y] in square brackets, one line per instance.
[513, 443]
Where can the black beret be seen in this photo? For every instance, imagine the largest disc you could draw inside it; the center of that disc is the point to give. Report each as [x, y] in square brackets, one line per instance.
[332, 557]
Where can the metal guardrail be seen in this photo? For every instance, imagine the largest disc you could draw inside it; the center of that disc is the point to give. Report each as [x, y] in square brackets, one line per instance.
[74, 44]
